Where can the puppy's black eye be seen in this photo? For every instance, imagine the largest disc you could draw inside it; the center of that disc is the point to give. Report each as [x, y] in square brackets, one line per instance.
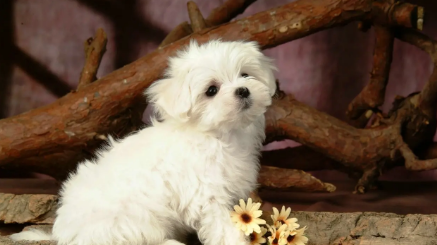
[212, 90]
[244, 75]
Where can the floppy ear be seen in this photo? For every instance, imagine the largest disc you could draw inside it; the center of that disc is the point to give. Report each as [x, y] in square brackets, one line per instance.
[267, 65]
[268, 75]
[171, 98]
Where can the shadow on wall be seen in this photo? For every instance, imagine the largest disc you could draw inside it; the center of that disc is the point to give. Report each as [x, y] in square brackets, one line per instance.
[130, 27]
[6, 42]
[130, 30]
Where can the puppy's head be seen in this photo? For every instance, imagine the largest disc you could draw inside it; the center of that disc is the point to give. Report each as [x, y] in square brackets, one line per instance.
[215, 85]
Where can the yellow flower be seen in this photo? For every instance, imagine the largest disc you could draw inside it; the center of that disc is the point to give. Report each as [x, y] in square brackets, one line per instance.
[296, 237]
[246, 216]
[282, 218]
[258, 238]
[278, 236]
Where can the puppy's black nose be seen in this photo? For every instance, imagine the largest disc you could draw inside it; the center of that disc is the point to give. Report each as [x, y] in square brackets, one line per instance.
[242, 92]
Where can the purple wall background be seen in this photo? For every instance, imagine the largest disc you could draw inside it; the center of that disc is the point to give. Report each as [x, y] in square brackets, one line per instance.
[325, 70]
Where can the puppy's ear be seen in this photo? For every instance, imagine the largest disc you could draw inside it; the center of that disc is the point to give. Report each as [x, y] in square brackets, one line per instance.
[171, 98]
[266, 73]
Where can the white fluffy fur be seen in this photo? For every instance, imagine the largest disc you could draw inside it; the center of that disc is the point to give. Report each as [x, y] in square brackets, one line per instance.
[185, 172]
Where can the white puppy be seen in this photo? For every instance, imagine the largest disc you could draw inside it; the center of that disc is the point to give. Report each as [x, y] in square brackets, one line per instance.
[184, 173]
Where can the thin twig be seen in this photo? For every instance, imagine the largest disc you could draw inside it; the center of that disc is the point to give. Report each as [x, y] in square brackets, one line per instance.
[291, 179]
[94, 50]
[222, 14]
[196, 18]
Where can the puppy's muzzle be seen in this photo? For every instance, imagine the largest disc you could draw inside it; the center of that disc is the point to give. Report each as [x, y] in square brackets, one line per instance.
[243, 94]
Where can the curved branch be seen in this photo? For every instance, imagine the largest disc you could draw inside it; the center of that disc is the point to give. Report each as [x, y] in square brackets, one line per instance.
[94, 50]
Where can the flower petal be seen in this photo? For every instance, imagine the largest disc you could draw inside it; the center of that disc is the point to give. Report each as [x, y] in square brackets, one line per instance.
[255, 206]
[287, 213]
[259, 221]
[238, 209]
[242, 204]
[257, 213]
[262, 240]
[257, 229]
[275, 212]
[282, 210]
[249, 204]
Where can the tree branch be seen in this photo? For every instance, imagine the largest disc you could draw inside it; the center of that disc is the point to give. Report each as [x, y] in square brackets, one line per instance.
[94, 50]
[197, 21]
[291, 180]
[365, 150]
[372, 96]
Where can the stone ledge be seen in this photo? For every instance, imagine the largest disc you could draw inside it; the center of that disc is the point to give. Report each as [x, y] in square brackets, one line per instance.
[27, 208]
[325, 228]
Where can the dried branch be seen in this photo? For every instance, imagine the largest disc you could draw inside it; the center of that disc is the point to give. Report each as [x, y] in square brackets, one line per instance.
[365, 150]
[399, 13]
[94, 50]
[410, 16]
[222, 14]
[412, 162]
[196, 18]
[291, 180]
[372, 96]
[54, 138]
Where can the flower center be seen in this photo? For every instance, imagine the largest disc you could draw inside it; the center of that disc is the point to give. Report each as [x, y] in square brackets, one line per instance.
[252, 237]
[275, 241]
[246, 218]
[290, 238]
